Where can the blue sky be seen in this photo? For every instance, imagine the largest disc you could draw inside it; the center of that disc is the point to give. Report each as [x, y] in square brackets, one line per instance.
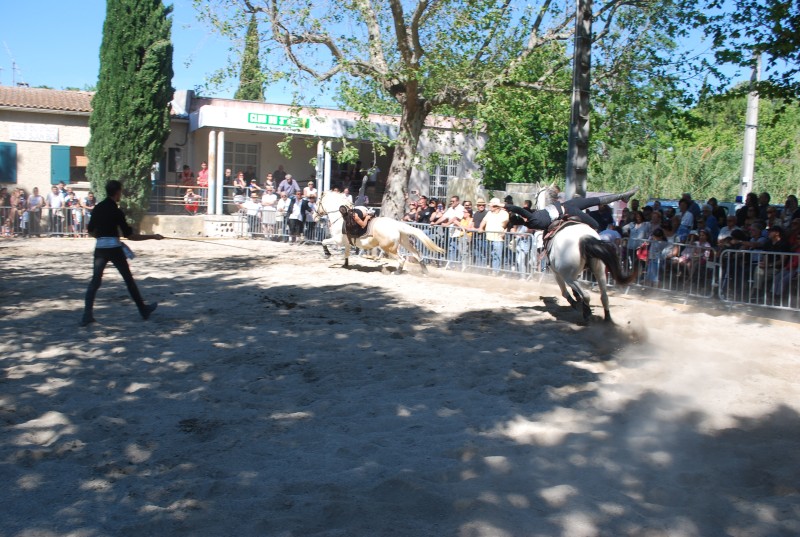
[56, 43]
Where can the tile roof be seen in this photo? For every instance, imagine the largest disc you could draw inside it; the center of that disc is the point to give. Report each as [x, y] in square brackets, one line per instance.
[46, 99]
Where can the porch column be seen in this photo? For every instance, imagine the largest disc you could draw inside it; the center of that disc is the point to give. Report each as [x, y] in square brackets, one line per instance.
[323, 180]
[327, 156]
[220, 171]
[212, 171]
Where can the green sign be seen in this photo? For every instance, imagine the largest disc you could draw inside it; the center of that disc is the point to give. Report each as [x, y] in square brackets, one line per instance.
[279, 121]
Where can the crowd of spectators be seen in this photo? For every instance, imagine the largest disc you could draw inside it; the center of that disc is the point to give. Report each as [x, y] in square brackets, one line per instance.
[686, 244]
[58, 213]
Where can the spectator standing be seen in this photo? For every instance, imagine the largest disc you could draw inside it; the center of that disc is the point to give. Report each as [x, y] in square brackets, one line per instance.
[494, 224]
[88, 206]
[278, 176]
[55, 204]
[75, 209]
[637, 232]
[239, 187]
[309, 190]
[269, 203]
[294, 217]
[288, 185]
[456, 210]
[280, 212]
[308, 207]
[34, 206]
[252, 210]
[187, 176]
[202, 181]
[253, 188]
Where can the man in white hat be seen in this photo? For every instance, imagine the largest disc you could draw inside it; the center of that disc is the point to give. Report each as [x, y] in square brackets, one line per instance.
[494, 225]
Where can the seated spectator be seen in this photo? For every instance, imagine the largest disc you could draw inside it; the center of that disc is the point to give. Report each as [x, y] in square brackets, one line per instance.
[726, 231]
[787, 280]
[767, 262]
[612, 234]
[790, 212]
[191, 201]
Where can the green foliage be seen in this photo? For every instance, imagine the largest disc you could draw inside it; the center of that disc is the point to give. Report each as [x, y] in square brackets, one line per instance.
[251, 81]
[738, 30]
[707, 159]
[130, 117]
[527, 129]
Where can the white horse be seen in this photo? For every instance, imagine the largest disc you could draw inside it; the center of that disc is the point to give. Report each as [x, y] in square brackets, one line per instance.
[575, 246]
[384, 233]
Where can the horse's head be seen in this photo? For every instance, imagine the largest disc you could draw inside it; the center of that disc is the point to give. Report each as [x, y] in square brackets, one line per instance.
[329, 203]
[545, 195]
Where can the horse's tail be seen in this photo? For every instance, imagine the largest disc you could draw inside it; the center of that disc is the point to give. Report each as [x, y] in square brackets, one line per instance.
[594, 248]
[420, 236]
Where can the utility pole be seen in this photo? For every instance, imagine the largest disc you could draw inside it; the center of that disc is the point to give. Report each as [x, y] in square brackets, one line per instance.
[578, 150]
[750, 130]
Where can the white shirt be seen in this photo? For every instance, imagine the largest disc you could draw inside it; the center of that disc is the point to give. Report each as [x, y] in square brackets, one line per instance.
[269, 201]
[282, 205]
[454, 212]
[56, 201]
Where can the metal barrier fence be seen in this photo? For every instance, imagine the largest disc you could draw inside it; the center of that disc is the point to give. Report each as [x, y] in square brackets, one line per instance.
[45, 222]
[760, 278]
[268, 224]
[746, 277]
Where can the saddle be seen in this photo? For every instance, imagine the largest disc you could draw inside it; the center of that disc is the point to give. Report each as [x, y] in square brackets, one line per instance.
[555, 227]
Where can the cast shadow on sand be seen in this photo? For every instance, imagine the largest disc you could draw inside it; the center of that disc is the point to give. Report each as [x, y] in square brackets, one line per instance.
[259, 406]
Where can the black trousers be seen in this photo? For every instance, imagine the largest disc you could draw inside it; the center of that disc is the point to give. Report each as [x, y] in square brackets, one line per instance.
[102, 256]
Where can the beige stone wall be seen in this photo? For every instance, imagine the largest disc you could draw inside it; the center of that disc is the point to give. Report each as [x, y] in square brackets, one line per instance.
[33, 158]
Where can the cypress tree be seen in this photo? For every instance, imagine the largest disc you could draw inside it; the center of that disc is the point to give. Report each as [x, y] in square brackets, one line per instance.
[251, 85]
[130, 111]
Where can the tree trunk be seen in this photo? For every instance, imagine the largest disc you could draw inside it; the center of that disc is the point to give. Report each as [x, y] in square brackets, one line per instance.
[405, 151]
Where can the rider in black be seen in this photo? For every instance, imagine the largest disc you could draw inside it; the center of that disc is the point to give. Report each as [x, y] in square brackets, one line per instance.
[355, 221]
[542, 218]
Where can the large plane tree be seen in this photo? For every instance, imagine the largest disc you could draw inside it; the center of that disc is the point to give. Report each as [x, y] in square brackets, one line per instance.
[427, 56]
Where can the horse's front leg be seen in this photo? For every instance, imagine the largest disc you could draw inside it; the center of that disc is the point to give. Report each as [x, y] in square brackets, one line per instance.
[564, 292]
[346, 254]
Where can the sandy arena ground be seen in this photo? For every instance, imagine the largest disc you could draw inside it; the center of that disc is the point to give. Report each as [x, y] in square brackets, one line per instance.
[274, 393]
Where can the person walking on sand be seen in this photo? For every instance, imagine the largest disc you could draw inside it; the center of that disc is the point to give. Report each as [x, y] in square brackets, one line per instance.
[105, 225]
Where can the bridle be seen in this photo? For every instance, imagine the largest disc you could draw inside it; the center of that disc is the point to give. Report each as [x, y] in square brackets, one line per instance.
[320, 211]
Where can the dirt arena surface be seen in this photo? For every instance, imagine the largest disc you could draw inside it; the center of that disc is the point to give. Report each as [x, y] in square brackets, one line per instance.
[274, 393]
